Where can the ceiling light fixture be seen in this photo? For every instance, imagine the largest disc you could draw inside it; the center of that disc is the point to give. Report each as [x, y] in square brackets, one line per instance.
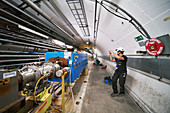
[32, 31]
[70, 47]
[58, 42]
[87, 43]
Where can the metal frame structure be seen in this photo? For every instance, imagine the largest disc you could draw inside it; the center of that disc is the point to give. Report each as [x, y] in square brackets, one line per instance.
[78, 11]
[122, 14]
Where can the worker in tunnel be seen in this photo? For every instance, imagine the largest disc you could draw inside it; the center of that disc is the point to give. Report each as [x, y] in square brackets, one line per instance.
[120, 72]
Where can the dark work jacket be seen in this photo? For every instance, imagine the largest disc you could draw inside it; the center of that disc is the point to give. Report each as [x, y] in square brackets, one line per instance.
[121, 65]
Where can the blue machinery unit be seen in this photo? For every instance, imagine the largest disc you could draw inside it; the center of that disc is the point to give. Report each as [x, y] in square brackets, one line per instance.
[76, 61]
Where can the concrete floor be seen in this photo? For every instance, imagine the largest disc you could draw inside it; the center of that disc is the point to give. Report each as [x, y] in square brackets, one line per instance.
[97, 97]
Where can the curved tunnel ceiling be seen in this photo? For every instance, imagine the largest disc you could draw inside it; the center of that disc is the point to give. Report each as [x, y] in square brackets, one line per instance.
[112, 32]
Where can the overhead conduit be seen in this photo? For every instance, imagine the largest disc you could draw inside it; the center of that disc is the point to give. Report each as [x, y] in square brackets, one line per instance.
[96, 22]
[15, 39]
[21, 41]
[27, 23]
[37, 9]
[12, 36]
[27, 38]
[63, 17]
[16, 58]
[42, 26]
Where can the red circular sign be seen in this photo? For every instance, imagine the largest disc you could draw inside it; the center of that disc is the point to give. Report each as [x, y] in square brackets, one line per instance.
[154, 46]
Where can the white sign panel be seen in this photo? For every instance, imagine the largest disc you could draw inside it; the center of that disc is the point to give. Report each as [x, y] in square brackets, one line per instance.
[10, 74]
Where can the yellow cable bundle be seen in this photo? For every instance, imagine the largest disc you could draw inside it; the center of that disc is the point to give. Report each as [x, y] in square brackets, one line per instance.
[36, 88]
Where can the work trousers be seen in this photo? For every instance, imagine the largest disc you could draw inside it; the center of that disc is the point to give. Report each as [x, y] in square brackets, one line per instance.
[122, 78]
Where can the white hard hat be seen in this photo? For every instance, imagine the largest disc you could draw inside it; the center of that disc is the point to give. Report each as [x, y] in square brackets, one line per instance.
[120, 49]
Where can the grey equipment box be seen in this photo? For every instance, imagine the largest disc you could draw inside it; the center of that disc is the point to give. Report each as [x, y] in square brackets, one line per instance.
[8, 87]
[165, 39]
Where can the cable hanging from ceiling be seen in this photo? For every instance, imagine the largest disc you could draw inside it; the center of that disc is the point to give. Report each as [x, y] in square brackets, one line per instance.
[118, 12]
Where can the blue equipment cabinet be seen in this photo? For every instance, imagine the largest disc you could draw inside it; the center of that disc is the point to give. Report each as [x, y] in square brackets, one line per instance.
[79, 62]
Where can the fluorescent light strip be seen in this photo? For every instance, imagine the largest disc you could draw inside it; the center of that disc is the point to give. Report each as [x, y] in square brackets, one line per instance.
[58, 42]
[32, 31]
[70, 47]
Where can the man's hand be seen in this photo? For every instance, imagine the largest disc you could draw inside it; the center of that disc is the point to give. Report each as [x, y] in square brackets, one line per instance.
[110, 52]
[115, 55]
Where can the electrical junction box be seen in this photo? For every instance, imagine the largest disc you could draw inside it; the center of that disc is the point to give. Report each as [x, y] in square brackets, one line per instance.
[165, 39]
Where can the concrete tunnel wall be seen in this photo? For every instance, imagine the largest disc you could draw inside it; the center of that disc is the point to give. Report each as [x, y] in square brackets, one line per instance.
[151, 94]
